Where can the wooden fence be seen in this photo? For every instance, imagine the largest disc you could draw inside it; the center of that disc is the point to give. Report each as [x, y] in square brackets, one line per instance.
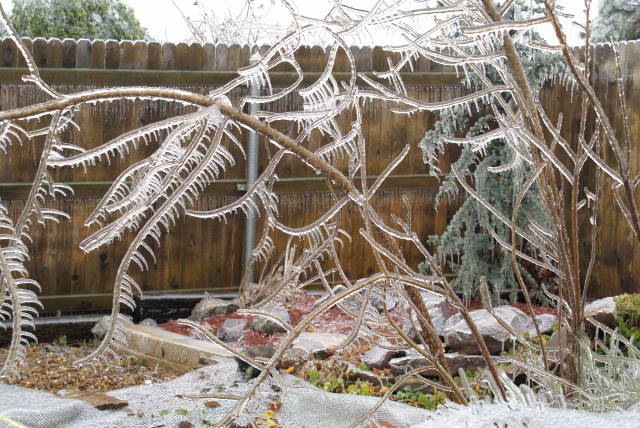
[617, 268]
[202, 255]
[197, 254]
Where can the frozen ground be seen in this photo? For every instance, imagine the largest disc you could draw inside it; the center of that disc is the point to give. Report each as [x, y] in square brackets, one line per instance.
[164, 404]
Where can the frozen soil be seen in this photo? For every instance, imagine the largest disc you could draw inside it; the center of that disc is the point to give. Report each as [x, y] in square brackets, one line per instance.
[49, 367]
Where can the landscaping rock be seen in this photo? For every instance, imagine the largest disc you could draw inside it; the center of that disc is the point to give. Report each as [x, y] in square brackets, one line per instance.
[377, 300]
[316, 345]
[149, 321]
[356, 373]
[257, 352]
[352, 301]
[232, 328]
[210, 306]
[602, 310]
[471, 363]
[458, 336]
[412, 360]
[100, 329]
[266, 325]
[379, 358]
[260, 351]
[455, 361]
[558, 341]
[546, 322]
[325, 297]
[438, 310]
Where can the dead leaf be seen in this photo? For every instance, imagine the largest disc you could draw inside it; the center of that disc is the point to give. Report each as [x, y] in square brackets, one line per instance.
[269, 414]
[275, 405]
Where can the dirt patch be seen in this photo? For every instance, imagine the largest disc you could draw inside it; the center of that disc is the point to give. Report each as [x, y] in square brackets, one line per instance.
[50, 368]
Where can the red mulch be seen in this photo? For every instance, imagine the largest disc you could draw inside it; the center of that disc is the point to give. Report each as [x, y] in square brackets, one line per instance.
[214, 322]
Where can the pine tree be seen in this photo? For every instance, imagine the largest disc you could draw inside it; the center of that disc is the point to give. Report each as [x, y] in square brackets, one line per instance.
[466, 247]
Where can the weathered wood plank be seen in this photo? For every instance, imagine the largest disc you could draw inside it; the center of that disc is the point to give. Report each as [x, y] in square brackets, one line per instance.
[40, 47]
[155, 55]
[112, 54]
[69, 53]
[83, 53]
[98, 54]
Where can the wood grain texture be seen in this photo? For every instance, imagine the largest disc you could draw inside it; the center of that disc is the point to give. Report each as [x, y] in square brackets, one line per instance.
[207, 255]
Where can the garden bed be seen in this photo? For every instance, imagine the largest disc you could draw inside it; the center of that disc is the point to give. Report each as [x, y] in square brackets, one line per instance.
[333, 320]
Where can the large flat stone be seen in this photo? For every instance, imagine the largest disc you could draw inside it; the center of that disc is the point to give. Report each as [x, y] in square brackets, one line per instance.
[318, 345]
[459, 338]
[210, 306]
[546, 322]
[232, 328]
[170, 349]
[602, 310]
[438, 310]
[455, 361]
[379, 358]
[267, 325]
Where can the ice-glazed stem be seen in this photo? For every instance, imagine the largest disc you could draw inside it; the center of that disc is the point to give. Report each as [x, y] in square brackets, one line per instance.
[603, 118]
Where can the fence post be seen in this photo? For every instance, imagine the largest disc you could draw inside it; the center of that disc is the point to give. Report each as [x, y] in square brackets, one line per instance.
[252, 173]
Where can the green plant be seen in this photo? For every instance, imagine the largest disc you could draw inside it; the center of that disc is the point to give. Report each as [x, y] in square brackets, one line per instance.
[363, 366]
[333, 379]
[361, 388]
[333, 385]
[628, 316]
[470, 375]
[181, 412]
[60, 340]
[314, 375]
[420, 399]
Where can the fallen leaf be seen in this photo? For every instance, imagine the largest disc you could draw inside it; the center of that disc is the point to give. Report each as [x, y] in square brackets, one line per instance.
[269, 414]
[275, 405]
